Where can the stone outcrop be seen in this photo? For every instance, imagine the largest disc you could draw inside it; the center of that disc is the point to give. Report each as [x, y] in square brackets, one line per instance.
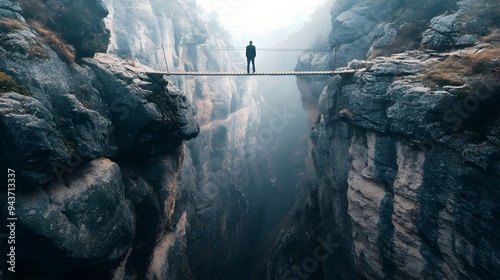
[399, 191]
[97, 148]
[146, 109]
[79, 22]
[103, 111]
[224, 174]
[97, 221]
[33, 149]
[405, 178]
[472, 20]
[10, 9]
[408, 177]
[362, 29]
[402, 174]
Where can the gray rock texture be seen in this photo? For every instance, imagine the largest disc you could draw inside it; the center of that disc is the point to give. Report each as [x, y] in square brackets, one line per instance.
[462, 28]
[134, 113]
[147, 113]
[35, 147]
[75, 135]
[223, 178]
[366, 29]
[10, 9]
[404, 176]
[78, 22]
[86, 223]
[104, 111]
[401, 191]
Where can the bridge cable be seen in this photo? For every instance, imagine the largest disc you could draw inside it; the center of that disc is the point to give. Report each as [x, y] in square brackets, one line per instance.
[165, 57]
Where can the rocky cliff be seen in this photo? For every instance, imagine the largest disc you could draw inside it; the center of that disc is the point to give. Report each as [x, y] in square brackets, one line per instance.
[96, 146]
[105, 185]
[404, 166]
[224, 178]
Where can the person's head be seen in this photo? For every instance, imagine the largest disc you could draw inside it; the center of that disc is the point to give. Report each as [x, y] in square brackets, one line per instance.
[250, 42]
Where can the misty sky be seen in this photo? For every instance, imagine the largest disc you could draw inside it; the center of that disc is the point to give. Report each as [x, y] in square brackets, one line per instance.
[260, 17]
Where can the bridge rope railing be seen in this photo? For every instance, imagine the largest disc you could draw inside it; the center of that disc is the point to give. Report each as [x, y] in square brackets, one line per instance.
[341, 71]
[273, 73]
[149, 47]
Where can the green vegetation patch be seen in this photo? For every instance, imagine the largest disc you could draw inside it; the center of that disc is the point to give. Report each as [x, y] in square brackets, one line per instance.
[8, 83]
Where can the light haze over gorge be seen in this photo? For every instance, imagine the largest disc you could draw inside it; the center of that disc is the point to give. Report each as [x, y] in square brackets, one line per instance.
[114, 169]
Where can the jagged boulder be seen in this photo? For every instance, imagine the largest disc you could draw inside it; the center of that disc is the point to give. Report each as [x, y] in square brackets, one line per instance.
[377, 102]
[30, 139]
[462, 28]
[10, 9]
[367, 29]
[407, 156]
[79, 22]
[149, 115]
[83, 223]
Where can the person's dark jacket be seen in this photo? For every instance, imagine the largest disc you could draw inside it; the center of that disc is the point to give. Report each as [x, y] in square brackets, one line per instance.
[251, 53]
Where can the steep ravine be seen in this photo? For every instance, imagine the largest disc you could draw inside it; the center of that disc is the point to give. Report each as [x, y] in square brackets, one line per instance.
[177, 210]
[405, 178]
[126, 175]
[224, 179]
[96, 145]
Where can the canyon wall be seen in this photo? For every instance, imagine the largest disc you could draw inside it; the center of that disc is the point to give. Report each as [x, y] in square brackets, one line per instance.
[96, 147]
[404, 165]
[402, 172]
[224, 178]
[106, 185]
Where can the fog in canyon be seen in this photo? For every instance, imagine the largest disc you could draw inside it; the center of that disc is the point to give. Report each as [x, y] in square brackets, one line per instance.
[113, 170]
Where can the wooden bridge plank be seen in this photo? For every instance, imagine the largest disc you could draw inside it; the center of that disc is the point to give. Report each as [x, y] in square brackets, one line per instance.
[282, 73]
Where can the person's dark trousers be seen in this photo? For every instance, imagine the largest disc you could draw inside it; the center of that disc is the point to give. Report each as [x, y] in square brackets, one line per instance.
[248, 64]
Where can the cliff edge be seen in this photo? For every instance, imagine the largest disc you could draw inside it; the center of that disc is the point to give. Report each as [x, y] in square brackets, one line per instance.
[404, 165]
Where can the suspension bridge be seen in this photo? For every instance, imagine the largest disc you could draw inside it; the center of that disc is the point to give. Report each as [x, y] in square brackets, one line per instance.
[342, 71]
[277, 73]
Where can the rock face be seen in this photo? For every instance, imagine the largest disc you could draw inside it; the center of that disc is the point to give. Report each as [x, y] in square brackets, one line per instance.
[173, 211]
[224, 174]
[98, 222]
[79, 23]
[403, 169]
[97, 148]
[33, 149]
[405, 178]
[373, 28]
[460, 29]
[145, 107]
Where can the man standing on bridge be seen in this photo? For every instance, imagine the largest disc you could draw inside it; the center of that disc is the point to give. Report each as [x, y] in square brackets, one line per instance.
[251, 54]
